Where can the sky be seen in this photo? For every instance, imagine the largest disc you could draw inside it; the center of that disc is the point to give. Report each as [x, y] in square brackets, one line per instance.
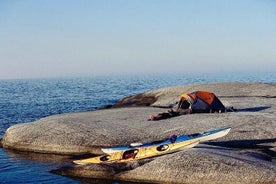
[68, 38]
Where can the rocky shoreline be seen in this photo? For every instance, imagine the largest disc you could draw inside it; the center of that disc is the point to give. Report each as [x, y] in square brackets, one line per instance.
[245, 155]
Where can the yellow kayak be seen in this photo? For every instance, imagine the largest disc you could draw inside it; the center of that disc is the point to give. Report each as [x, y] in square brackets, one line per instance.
[139, 153]
[201, 137]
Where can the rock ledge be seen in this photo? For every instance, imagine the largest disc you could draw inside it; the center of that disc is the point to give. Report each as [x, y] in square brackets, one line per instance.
[245, 155]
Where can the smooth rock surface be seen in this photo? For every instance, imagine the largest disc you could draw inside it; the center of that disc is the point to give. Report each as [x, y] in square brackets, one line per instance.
[245, 155]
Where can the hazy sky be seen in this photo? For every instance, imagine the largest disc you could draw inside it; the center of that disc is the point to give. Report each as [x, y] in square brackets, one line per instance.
[57, 38]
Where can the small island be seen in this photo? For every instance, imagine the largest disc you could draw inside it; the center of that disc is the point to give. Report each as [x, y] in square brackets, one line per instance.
[245, 155]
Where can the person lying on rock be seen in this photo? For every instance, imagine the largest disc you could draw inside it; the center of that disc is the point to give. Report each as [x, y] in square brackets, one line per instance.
[196, 102]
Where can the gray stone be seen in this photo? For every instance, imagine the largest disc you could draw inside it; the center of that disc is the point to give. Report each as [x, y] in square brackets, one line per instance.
[245, 155]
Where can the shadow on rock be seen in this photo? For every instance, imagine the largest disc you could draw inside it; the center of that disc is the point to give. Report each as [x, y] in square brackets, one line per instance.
[259, 145]
[98, 171]
[253, 109]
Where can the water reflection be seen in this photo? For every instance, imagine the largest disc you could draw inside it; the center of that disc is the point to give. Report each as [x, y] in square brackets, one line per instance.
[28, 167]
[25, 167]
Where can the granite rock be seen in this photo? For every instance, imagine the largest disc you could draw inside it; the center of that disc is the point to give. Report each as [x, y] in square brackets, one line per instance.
[245, 155]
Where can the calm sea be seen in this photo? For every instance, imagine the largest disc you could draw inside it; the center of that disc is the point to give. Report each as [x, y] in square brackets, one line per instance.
[28, 100]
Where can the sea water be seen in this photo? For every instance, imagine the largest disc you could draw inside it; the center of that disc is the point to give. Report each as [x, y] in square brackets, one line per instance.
[28, 100]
